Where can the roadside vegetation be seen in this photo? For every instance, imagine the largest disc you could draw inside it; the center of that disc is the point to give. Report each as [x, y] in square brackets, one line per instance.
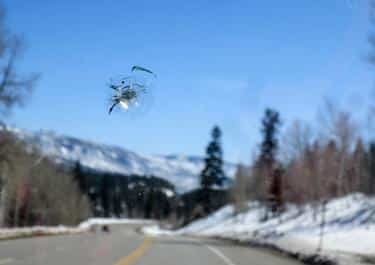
[303, 164]
[33, 190]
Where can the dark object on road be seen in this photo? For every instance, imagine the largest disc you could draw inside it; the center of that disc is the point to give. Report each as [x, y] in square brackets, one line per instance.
[105, 228]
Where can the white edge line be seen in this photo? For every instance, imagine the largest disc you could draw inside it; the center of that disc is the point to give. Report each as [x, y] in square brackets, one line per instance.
[220, 255]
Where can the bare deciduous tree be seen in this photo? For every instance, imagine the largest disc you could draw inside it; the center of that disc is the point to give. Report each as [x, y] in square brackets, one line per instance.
[39, 192]
[358, 174]
[295, 140]
[240, 188]
[14, 88]
[340, 127]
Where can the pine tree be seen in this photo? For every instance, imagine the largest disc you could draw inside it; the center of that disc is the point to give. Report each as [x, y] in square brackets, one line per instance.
[269, 146]
[370, 166]
[267, 159]
[212, 173]
[116, 199]
[80, 177]
[105, 188]
[270, 128]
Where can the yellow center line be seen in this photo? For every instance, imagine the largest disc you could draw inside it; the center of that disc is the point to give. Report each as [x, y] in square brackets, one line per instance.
[136, 254]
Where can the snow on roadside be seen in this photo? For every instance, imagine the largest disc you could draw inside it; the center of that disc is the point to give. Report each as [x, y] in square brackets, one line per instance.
[349, 231]
[21, 232]
[11, 233]
[112, 221]
[155, 230]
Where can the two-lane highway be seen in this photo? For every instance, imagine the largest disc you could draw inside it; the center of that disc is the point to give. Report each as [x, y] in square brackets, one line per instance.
[124, 246]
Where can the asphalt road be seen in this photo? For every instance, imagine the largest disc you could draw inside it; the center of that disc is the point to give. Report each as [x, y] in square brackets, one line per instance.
[123, 246]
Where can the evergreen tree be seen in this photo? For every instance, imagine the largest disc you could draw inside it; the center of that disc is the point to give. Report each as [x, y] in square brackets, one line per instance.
[149, 205]
[267, 160]
[212, 173]
[270, 128]
[105, 189]
[370, 166]
[116, 199]
[80, 178]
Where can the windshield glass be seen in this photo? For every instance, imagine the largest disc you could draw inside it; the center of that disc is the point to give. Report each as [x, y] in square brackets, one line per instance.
[187, 132]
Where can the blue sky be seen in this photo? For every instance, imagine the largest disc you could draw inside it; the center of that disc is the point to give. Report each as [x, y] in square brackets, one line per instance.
[218, 62]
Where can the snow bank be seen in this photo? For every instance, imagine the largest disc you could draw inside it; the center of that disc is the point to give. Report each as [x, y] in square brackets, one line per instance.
[10, 233]
[155, 230]
[349, 229]
[112, 221]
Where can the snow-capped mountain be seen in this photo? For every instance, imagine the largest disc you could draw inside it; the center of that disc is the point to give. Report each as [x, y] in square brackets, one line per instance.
[182, 171]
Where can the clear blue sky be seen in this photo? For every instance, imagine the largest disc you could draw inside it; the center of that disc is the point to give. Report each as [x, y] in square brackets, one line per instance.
[218, 62]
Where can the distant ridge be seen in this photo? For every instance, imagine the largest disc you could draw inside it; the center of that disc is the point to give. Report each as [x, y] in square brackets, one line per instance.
[182, 171]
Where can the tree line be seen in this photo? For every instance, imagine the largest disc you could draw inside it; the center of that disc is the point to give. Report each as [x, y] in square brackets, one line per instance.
[305, 165]
[151, 197]
[120, 195]
[34, 190]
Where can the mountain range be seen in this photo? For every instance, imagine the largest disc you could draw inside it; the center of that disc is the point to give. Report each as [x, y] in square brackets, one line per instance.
[182, 171]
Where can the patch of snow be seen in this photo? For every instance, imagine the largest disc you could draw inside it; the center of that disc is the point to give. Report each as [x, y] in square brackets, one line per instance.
[112, 221]
[349, 232]
[155, 230]
[9, 233]
[169, 193]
